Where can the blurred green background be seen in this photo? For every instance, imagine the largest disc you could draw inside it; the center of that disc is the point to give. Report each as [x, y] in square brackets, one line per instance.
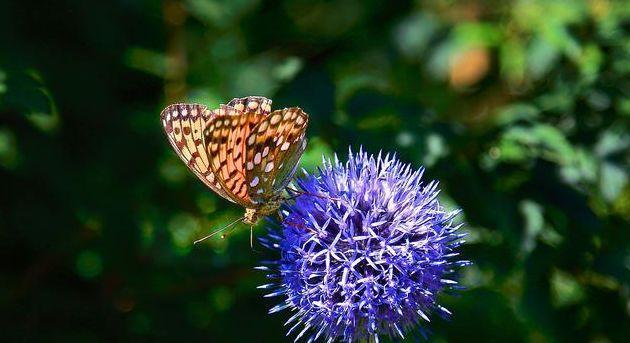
[520, 108]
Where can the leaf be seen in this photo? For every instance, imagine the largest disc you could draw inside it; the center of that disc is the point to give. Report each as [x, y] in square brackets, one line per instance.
[534, 223]
[612, 180]
[515, 112]
[565, 290]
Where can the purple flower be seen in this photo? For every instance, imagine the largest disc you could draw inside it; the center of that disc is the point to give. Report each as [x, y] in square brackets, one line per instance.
[367, 256]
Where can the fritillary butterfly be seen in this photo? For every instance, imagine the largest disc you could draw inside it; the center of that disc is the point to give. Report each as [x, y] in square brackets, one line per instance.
[242, 151]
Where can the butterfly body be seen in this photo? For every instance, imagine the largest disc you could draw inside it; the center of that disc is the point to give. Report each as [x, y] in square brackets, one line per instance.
[243, 151]
[253, 214]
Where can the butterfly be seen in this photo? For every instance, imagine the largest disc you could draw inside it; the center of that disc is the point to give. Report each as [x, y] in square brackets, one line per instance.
[243, 151]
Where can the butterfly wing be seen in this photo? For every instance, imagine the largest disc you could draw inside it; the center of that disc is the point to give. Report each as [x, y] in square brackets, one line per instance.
[273, 150]
[225, 135]
[183, 124]
[257, 104]
[285, 174]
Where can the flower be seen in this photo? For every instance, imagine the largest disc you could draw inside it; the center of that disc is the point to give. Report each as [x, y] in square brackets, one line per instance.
[365, 249]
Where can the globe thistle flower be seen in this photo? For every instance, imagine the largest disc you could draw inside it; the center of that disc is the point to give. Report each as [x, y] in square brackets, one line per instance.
[364, 251]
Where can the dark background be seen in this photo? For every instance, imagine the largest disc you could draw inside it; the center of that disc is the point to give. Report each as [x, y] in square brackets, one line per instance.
[519, 108]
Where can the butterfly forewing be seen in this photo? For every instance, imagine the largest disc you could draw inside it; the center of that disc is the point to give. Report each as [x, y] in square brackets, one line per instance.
[273, 149]
[225, 135]
[183, 124]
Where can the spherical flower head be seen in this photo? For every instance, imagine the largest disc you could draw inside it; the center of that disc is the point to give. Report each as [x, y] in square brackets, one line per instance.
[365, 249]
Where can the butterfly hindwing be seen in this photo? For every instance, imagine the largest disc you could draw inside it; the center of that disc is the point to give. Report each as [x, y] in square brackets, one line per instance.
[285, 174]
[256, 104]
[183, 125]
[224, 135]
[273, 149]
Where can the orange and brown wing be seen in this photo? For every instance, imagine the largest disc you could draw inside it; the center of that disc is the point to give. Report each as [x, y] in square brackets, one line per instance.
[225, 135]
[183, 124]
[273, 150]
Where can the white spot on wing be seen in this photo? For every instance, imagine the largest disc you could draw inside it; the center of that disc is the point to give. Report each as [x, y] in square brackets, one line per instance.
[263, 126]
[275, 119]
[254, 182]
[269, 167]
[285, 146]
[257, 158]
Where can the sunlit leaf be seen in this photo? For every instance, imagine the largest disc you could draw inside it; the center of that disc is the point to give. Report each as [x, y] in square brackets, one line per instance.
[565, 290]
[612, 180]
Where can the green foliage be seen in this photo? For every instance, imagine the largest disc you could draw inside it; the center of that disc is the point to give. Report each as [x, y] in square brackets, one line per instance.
[520, 108]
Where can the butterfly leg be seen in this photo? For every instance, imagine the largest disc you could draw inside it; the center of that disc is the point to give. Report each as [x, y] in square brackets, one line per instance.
[251, 237]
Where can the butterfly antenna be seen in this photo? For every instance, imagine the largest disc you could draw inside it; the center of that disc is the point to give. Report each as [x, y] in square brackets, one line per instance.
[219, 230]
[300, 193]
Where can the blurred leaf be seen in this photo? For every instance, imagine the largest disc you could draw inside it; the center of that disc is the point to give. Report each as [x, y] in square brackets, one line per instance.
[205, 96]
[222, 299]
[8, 149]
[541, 57]
[89, 264]
[611, 141]
[148, 61]
[350, 83]
[612, 180]
[590, 62]
[27, 94]
[538, 141]
[516, 112]
[220, 13]
[184, 229]
[583, 168]
[287, 69]
[257, 76]
[172, 170]
[565, 290]
[44, 121]
[413, 34]
[207, 202]
[513, 61]
[405, 139]
[324, 19]
[436, 149]
[534, 223]
[3, 78]
[315, 151]
[475, 34]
